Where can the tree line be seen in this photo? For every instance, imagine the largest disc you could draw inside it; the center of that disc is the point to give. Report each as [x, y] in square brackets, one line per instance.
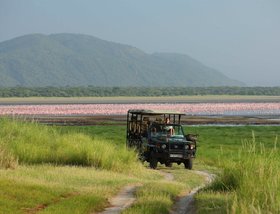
[92, 91]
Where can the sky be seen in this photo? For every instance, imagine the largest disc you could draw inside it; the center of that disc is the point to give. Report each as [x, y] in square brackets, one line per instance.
[240, 38]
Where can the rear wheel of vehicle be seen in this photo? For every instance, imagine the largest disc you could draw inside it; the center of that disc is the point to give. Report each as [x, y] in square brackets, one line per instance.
[188, 163]
[153, 162]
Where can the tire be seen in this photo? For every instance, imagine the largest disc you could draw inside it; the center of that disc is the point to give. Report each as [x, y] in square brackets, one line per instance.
[188, 164]
[153, 162]
[142, 158]
[168, 164]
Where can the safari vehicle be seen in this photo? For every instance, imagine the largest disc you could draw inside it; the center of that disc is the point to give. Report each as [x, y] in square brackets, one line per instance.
[158, 136]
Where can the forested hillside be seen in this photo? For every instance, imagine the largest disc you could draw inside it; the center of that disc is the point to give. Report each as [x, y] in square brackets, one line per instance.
[79, 60]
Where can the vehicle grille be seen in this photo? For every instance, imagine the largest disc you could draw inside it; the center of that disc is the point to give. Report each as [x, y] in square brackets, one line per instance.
[178, 148]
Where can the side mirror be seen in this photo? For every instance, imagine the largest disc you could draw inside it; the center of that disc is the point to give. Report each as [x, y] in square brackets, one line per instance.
[191, 137]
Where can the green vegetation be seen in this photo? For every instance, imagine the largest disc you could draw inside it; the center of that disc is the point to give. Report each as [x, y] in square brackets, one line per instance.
[65, 177]
[158, 197]
[60, 189]
[91, 91]
[36, 144]
[7, 160]
[67, 170]
[249, 161]
[81, 60]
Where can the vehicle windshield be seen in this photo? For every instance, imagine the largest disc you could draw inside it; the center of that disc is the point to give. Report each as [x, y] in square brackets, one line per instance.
[171, 130]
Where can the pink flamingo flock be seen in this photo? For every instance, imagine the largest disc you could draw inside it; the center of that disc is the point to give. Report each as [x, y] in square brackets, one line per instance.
[121, 109]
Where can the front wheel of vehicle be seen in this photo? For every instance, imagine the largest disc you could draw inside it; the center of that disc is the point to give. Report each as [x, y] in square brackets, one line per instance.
[153, 163]
[188, 163]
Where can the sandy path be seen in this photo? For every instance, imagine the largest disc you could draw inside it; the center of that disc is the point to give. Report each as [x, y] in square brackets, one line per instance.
[186, 203]
[126, 197]
[122, 200]
[167, 176]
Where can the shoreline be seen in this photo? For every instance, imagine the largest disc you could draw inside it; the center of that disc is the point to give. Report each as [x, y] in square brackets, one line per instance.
[84, 120]
[140, 99]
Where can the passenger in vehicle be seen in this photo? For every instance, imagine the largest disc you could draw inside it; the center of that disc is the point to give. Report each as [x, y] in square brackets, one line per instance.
[154, 132]
[169, 129]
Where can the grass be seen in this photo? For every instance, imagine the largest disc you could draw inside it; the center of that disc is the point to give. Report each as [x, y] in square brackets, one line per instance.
[157, 197]
[60, 189]
[218, 144]
[110, 133]
[76, 170]
[36, 144]
[258, 176]
[7, 160]
[72, 189]
[71, 170]
[249, 179]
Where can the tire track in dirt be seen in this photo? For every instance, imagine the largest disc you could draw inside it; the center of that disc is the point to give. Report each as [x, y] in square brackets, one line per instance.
[185, 205]
[126, 197]
[167, 176]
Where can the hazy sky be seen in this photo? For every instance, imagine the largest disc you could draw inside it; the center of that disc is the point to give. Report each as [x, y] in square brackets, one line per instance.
[240, 38]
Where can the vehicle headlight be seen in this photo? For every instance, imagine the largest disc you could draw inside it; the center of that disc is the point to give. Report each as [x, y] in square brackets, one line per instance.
[191, 146]
[163, 146]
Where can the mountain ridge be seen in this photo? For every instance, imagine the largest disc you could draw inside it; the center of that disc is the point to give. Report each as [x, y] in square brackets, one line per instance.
[80, 60]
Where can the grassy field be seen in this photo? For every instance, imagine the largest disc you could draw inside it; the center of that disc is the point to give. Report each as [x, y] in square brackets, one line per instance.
[76, 169]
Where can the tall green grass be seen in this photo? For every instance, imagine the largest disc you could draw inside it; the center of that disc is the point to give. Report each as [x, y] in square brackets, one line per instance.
[258, 173]
[31, 143]
[7, 160]
[250, 181]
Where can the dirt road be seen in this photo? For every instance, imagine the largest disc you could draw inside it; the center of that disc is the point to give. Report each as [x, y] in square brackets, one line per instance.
[122, 200]
[185, 205]
[126, 197]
